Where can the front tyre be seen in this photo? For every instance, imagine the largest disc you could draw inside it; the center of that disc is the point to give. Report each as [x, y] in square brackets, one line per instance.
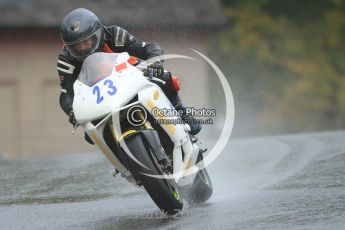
[161, 191]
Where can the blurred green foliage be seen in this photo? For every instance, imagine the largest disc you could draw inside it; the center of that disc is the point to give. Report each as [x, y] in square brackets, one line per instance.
[286, 64]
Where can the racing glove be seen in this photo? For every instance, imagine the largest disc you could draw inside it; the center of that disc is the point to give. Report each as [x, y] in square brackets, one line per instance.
[155, 69]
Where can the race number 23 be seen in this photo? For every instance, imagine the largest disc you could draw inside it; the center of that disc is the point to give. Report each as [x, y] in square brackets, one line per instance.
[111, 90]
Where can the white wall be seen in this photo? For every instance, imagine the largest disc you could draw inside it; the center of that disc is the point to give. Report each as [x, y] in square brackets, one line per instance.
[32, 122]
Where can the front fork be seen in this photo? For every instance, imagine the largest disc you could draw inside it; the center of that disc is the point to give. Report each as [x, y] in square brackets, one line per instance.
[185, 155]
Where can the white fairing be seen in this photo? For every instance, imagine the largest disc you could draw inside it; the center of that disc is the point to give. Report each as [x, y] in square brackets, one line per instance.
[90, 104]
[106, 83]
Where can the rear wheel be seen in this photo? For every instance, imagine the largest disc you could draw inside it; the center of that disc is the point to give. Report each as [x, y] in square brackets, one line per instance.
[162, 191]
[201, 189]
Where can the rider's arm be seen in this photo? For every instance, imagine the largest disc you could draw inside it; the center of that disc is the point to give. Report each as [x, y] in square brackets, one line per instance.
[135, 47]
[67, 78]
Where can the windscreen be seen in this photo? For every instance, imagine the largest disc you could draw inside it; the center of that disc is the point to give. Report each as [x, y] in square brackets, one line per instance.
[96, 67]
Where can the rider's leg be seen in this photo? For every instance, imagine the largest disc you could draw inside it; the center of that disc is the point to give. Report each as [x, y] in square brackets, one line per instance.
[171, 88]
[189, 119]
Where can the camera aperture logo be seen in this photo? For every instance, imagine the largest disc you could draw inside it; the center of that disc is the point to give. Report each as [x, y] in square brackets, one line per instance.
[136, 115]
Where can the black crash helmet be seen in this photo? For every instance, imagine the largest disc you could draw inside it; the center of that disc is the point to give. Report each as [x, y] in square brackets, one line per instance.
[81, 32]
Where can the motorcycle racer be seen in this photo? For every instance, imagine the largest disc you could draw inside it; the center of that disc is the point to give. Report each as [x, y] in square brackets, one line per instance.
[83, 34]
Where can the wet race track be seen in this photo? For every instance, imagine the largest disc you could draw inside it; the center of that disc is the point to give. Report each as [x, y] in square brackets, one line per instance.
[282, 182]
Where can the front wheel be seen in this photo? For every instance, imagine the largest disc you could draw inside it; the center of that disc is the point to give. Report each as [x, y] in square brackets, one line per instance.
[162, 191]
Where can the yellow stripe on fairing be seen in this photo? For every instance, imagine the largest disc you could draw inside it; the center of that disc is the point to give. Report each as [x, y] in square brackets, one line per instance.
[127, 133]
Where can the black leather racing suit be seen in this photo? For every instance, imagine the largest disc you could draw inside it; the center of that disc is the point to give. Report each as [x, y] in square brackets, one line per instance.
[116, 40]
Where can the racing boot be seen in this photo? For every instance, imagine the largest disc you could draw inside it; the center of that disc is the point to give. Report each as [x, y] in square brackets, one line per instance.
[88, 139]
[193, 123]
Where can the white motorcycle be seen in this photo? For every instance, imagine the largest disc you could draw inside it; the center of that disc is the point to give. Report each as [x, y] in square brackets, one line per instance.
[117, 104]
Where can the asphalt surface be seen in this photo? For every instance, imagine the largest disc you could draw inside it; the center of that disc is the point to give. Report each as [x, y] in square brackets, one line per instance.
[281, 182]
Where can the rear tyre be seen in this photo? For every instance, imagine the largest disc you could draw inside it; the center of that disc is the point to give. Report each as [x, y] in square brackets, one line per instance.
[162, 191]
[202, 187]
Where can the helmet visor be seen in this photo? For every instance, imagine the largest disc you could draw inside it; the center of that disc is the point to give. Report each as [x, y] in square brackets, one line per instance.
[86, 46]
